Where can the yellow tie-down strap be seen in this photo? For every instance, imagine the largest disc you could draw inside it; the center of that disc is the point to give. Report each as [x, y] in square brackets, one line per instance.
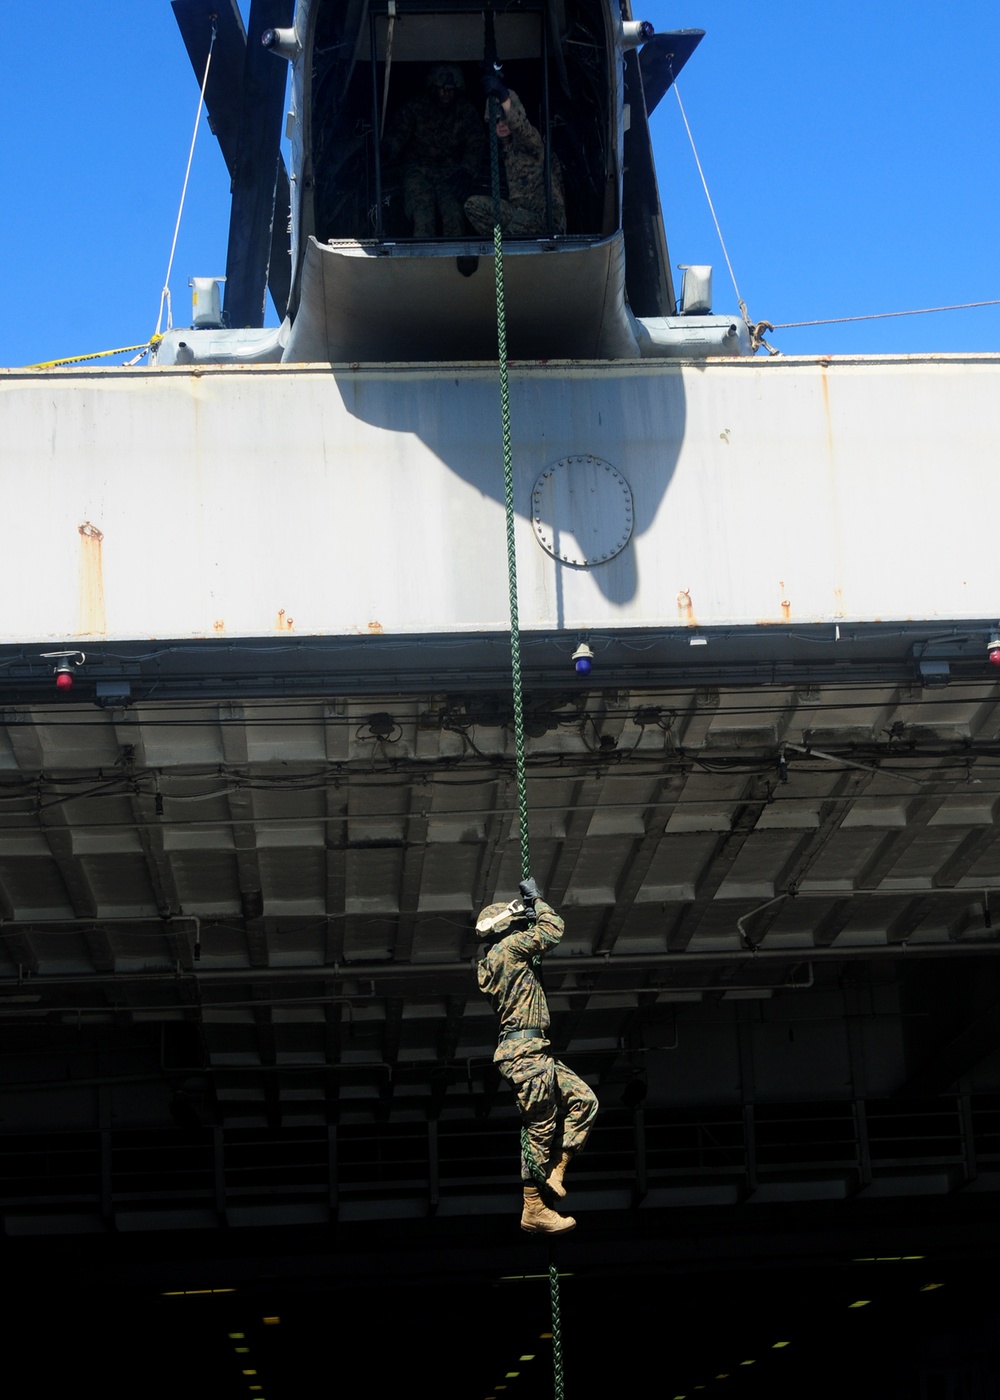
[97, 355]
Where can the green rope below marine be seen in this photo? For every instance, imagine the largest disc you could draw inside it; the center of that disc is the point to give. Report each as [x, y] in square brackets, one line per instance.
[557, 1364]
[508, 496]
[538, 1176]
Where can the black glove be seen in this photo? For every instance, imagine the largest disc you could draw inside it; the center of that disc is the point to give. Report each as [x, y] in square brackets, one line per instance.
[494, 85]
[529, 890]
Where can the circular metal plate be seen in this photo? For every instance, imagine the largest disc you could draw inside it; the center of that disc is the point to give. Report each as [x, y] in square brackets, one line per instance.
[581, 509]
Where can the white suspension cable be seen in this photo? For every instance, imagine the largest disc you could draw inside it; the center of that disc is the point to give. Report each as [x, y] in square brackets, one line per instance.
[165, 293]
[711, 206]
[883, 315]
[758, 329]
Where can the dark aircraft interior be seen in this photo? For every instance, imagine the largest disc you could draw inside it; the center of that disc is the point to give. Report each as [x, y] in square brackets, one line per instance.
[560, 77]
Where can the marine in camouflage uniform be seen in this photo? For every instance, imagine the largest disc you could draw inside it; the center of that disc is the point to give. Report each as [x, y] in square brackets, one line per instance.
[439, 139]
[557, 1106]
[522, 151]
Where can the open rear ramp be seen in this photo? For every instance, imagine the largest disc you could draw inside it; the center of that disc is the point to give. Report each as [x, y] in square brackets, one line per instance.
[368, 301]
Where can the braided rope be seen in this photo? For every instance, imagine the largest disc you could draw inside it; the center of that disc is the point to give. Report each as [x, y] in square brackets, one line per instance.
[538, 1175]
[165, 293]
[508, 496]
[557, 1361]
[536, 1170]
[526, 1152]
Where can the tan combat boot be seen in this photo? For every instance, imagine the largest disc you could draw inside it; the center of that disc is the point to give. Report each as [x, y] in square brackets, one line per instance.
[555, 1180]
[537, 1219]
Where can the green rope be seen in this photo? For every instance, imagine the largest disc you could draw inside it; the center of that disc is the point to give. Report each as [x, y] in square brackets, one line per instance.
[557, 1364]
[508, 496]
[537, 1172]
[538, 1175]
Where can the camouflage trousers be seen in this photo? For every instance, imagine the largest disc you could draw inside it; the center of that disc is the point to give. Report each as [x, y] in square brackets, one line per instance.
[557, 1109]
[515, 221]
[427, 192]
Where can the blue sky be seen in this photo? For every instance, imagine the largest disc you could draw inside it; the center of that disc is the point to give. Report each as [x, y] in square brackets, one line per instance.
[851, 151]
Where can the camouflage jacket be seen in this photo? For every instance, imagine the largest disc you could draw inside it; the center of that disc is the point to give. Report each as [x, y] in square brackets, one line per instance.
[506, 975]
[445, 139]
[523, 154]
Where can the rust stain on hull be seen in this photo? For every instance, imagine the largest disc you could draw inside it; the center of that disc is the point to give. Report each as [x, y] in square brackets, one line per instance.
[283, 623]
[685, 608]
[90, 619]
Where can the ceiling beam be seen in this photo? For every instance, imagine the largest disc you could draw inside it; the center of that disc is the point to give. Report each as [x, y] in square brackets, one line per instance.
[337, 803]
[580, 811]
[233, 731]
[969, 851]
[752, 801]
[149, 825]
[22, 951]
[831, 925]
[641, 857]
[909, 918]
[811, 847]
[891, 849]
[412, 873]
[499, 830]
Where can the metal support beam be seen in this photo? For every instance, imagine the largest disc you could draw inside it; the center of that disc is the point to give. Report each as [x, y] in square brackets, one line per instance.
[638, 865]
[498, 829]
[967, 854]
[583, 804]
[411, 878]
[232, 726]
[662, 58]
[891, 849]
[752, 801]
[255, 177]
[337, 799]
[224, 102]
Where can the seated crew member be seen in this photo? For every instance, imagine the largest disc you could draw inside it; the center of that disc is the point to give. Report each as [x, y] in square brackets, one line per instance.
[523, 214]
[557, 1106]
[439, 139]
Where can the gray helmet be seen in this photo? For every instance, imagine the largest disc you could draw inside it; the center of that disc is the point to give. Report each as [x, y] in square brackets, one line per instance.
[446, 75]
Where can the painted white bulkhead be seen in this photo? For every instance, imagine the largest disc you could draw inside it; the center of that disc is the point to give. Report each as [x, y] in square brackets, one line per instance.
[252, 501]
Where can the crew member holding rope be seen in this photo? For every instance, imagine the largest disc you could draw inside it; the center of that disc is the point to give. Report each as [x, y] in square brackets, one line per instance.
[557, 1107]
[525, 214]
